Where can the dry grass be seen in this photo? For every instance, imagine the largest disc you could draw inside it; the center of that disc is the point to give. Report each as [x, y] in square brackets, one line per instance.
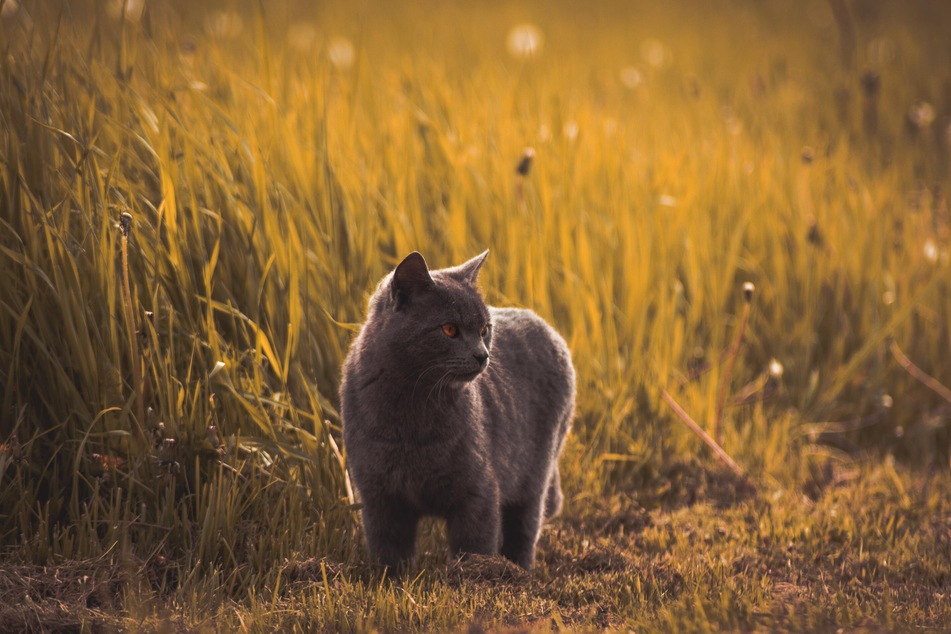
[196, 198]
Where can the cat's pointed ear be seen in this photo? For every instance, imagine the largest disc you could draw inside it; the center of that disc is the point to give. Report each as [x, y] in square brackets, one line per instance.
[468, 272]
[411, 275]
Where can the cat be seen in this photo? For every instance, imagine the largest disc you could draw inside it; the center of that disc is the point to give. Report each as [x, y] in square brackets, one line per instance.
[454, 409]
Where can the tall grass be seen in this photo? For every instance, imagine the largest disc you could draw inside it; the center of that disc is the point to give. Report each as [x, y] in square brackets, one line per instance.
[272, 174]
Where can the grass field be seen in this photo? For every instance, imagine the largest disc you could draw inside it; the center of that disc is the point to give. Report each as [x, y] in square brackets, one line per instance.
[197, 198]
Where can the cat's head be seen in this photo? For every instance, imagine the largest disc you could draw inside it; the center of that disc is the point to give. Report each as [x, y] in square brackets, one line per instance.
[434, 322]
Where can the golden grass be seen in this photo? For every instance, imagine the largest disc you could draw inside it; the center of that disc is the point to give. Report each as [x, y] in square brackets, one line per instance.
[277, 160]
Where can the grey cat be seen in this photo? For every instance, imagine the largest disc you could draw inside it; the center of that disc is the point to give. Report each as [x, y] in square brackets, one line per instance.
[454, 409]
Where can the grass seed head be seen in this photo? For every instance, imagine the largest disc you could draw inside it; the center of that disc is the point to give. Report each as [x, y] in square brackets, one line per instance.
[525, 163]
[748, 289]
[167, 450]
[814, 234]
[871, 83]
[212, 433]
[125, 223]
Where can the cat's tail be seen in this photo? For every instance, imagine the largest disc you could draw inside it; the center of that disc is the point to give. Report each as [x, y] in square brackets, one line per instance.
[554, 497]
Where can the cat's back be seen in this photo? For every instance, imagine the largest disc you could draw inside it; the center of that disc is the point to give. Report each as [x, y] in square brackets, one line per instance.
[522, 328]
[527, 395]
[534, 357]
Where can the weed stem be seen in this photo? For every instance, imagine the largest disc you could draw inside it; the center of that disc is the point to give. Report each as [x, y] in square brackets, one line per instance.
[695, 428]
[125, 226]
[912, 369]
[731, 360]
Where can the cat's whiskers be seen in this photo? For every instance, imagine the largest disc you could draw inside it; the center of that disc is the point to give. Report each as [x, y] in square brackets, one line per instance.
[435, 366]
[441, 382]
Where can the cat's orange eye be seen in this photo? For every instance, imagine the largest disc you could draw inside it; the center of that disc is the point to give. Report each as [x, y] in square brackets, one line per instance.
[484, 331]
[450, 330]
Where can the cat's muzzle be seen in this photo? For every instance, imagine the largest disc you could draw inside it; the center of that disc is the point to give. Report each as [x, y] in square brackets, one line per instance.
[481, 362]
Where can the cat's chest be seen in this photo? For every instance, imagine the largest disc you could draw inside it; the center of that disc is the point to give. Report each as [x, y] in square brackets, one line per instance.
[432, 477]
[415, 464]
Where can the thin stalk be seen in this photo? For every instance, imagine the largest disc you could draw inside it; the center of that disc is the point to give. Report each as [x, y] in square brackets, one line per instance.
[731, 360]
[695, 428]
[912, 369]
[125, 226]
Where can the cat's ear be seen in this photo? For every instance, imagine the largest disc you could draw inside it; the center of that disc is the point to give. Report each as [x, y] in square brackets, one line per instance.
[469, 271]
[411, 275]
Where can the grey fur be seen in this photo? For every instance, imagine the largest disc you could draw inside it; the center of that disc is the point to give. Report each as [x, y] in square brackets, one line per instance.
[468, 428]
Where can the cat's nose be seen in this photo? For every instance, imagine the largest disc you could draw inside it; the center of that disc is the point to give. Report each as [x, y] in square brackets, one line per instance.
[482, 356]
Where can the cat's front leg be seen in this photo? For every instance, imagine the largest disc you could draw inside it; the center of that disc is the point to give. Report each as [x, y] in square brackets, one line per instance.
[521, 524]
[390, 528]
[474, 527]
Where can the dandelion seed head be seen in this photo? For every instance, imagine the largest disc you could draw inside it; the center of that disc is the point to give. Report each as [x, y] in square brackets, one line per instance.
[887, 401]
[748, 290]
[655, 53]
[930, 250]
[921, 114]
[341, 53]
[524, 41]
[888, 298]
[219, 366]
[571, 130]
[631, 77]
[775, 369]
[666, 200]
